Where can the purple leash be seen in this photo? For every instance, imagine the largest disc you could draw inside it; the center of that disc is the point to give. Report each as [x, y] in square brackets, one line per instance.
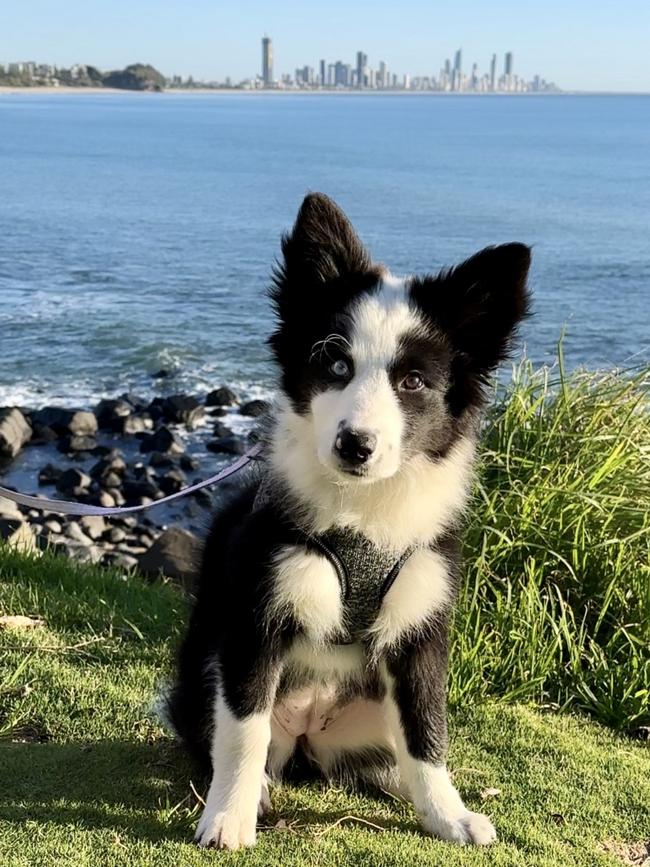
[64, 507]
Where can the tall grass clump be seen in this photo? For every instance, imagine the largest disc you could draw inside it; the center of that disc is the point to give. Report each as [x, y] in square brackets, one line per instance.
[556, 605]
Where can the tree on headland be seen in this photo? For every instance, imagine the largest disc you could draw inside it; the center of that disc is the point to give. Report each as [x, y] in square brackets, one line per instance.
[137, 76]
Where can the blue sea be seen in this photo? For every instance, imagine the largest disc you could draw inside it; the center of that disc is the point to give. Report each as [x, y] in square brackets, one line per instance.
[137, 231]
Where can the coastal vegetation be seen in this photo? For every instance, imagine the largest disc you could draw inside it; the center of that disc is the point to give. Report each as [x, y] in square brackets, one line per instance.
[549, 680]
[136, 76]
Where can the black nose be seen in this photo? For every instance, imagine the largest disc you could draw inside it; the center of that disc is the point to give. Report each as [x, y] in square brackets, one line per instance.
[354, 447]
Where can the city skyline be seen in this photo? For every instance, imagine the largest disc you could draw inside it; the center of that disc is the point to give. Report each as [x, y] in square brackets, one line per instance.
[582, 46]
[361, 75]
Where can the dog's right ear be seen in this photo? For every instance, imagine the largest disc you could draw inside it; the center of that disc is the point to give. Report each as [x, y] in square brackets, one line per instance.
[321, 248]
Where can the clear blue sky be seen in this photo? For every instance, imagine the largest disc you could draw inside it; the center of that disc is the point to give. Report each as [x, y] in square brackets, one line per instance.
[597, 45]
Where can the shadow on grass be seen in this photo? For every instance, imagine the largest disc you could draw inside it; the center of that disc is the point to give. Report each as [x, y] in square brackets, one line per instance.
[122, 786]
[138, 789]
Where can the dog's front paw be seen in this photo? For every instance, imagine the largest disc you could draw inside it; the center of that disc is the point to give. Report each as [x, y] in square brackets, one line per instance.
[474, 828]
[225, 830]
[265, 806]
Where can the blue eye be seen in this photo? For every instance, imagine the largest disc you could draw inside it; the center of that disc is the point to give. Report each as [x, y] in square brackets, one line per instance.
[340, 369]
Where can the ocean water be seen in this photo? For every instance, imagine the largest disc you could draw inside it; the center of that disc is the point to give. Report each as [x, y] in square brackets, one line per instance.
[138, 231]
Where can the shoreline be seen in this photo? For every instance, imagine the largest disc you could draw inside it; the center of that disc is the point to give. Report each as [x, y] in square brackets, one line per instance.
[6, 90]
[125, 451]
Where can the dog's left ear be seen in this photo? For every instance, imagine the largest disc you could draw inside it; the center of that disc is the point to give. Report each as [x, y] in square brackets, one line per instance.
[479, 303]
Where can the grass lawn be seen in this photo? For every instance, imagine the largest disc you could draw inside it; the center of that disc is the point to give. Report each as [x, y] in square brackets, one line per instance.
[89, 777]
[554, 616]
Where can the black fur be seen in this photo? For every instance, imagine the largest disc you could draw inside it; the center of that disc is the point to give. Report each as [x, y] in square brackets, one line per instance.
[469, 315]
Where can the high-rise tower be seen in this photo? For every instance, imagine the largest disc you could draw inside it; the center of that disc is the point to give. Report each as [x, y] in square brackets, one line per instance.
[362, 71]
[267, 61]
[493, 72]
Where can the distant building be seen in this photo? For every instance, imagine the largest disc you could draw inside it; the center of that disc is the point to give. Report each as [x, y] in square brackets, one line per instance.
[323, 74]
[362, 63]
[267, 61]
[508, 66]
[493, 72]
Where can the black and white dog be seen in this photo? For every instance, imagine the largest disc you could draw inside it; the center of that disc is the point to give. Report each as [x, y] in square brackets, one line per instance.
[320, 625]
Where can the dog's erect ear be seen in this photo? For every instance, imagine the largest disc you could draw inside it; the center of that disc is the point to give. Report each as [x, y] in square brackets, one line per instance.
[321, 247]
[478, 305]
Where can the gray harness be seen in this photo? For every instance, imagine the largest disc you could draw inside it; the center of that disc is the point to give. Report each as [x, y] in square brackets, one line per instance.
[365, 571]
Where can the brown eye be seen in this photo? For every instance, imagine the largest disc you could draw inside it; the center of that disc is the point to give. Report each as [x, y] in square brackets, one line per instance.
[412, 382]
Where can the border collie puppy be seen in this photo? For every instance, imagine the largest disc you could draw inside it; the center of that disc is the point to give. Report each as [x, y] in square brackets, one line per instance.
[321, 618]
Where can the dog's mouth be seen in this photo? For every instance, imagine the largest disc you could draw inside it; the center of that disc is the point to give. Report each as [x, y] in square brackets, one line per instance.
[355, 472]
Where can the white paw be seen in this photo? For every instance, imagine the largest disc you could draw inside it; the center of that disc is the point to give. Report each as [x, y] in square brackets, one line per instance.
[264, 805]
[469, 828]
[225, 830]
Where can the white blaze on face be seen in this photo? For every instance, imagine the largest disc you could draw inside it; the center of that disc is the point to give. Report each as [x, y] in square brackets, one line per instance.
[368, 403]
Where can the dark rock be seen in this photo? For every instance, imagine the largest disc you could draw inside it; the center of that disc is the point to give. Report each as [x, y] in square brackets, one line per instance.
[221, 430]
[73, 482]
[111, 413]
[141, 472]
[49, 474]
[143, 528]
[223, 396]
[138, 403]
[101, 451]
[175, 554]
[218, 411]
[189, 464]
[76, 443]
[156, 410]
[173, 481]
[163, 441]
[230, 445]
[137, 492]
[42, 434]
[80, 457]
[109, 470]
[66, 421]
[255, 408]
[15, 432]
[158, 460]
[163, 373]
[116, 535]
[183, 409]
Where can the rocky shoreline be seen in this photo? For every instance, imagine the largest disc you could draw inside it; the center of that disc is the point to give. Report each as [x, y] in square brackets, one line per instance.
[125, 452]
